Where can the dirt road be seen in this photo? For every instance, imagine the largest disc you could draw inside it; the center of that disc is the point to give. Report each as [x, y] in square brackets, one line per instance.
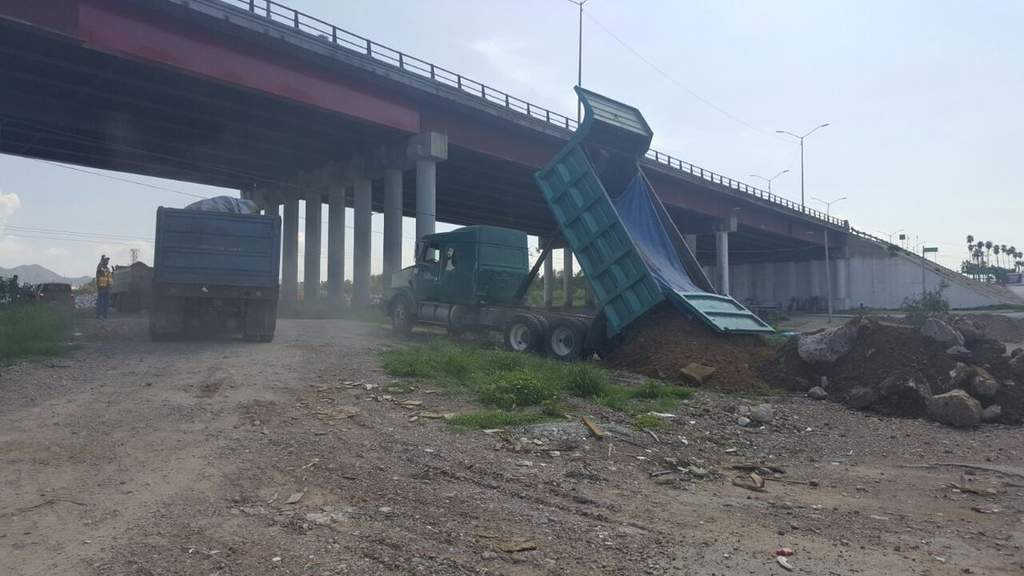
[131, 457]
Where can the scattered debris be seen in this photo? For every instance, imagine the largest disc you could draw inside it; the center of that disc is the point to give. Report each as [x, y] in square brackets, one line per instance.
[752, 481]
[294, 498]
[697, 374]
[784, 552]
[743, 422]
[592, 428]
[828, 346]
[513, 546]
[784, 563]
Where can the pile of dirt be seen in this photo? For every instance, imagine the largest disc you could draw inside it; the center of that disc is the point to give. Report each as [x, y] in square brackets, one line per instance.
[998, 326]
[893, 369]
[664, 342]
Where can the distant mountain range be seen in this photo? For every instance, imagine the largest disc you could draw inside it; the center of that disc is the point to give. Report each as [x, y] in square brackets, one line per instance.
[36, 274]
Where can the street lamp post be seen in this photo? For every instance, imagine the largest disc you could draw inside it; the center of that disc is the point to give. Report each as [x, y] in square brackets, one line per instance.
[579, 60]
[801, 139]
[770, 180]
[828, 267]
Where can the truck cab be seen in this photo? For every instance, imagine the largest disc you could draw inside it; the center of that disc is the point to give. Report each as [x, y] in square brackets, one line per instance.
[469, 266]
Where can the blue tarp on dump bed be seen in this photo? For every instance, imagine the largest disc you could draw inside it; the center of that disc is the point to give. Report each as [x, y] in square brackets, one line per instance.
[639, 214]
[641, 220]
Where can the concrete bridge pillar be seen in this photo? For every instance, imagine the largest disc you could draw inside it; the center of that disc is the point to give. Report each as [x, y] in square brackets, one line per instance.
[311, 260]
[427, 149]
[290, 253]
[842, 280]
[567, 276]
[392, 223]
[549, 276]
[722, 253]
[361, 245]
[335, 247]
[722, 261]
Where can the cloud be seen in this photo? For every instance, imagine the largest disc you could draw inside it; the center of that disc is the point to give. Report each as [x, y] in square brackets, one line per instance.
[9, 204]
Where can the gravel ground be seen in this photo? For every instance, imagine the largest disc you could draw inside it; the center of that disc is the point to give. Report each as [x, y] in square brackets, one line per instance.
[298, 457]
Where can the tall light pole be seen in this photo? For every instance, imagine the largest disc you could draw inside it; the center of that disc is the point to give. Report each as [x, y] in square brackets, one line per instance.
[770, 180]
[579, 61]
[828, 268]
[801, 139]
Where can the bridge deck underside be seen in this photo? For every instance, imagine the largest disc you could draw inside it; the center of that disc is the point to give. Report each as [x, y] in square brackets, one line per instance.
[62, 102]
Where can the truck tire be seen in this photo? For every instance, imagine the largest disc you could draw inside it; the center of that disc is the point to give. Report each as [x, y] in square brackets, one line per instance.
[524, 333]
[402, 315]
[565, 339]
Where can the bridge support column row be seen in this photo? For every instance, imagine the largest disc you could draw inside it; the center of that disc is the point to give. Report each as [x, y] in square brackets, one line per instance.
[392, 223]
[311, 253]
[426, 150]
[361, 245]
[290, 253]
[335, 247]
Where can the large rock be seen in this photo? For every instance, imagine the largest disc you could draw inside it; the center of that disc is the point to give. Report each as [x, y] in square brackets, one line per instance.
[969, 329]
[939, 331]
[1017, 365]
[956, 408]
[827, 346]
[961, 376]
[959, 352]
[983, 385]
[904, 396]
[763, 413]
[817, 393]
[992, 414]
[861, 397]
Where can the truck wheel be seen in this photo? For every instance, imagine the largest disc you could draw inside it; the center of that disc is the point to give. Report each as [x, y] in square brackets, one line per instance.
[401, 316]
[524, 333]
[565, 339]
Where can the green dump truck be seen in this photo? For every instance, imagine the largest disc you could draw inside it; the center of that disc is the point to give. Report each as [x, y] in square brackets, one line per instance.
[476, 278]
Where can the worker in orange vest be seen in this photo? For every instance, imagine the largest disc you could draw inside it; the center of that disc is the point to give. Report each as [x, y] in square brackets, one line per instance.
[104, 280]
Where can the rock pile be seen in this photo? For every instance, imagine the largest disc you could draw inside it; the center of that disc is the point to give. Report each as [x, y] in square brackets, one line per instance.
[946, 370]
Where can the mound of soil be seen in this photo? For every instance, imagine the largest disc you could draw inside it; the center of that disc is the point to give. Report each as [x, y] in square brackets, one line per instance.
[885, 352]
[665, 341]
[999, 327]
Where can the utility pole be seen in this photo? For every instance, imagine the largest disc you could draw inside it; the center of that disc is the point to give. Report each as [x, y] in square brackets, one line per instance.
[801, 139]
[828, 268]
[579, 61]
[924, 258]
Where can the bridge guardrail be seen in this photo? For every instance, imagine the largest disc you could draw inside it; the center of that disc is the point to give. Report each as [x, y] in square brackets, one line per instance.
[302, 22]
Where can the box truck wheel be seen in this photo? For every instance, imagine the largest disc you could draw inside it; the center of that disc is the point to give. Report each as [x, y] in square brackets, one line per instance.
[524, 333]
[565, 339]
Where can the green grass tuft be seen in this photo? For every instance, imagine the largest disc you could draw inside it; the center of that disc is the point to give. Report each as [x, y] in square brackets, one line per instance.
[648, 421]
[485, 419]
[34, 330]
[516, 384]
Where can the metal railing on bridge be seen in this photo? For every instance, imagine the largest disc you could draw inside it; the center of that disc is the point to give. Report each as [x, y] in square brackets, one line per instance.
[289, 17]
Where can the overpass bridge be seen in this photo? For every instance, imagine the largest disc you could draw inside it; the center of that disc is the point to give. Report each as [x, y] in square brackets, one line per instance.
[255, 96]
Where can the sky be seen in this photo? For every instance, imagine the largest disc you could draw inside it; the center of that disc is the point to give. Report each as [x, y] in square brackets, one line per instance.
[922, 98]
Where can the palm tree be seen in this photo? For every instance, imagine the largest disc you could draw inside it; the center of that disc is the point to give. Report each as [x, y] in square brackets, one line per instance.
[988, 249]
[995, 250]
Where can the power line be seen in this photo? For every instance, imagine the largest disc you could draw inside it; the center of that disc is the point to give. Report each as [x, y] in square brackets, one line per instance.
[672, 79]
[121, 179]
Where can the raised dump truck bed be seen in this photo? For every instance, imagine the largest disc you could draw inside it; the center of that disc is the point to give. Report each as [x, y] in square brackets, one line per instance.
[628, 247]
[634, 258]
